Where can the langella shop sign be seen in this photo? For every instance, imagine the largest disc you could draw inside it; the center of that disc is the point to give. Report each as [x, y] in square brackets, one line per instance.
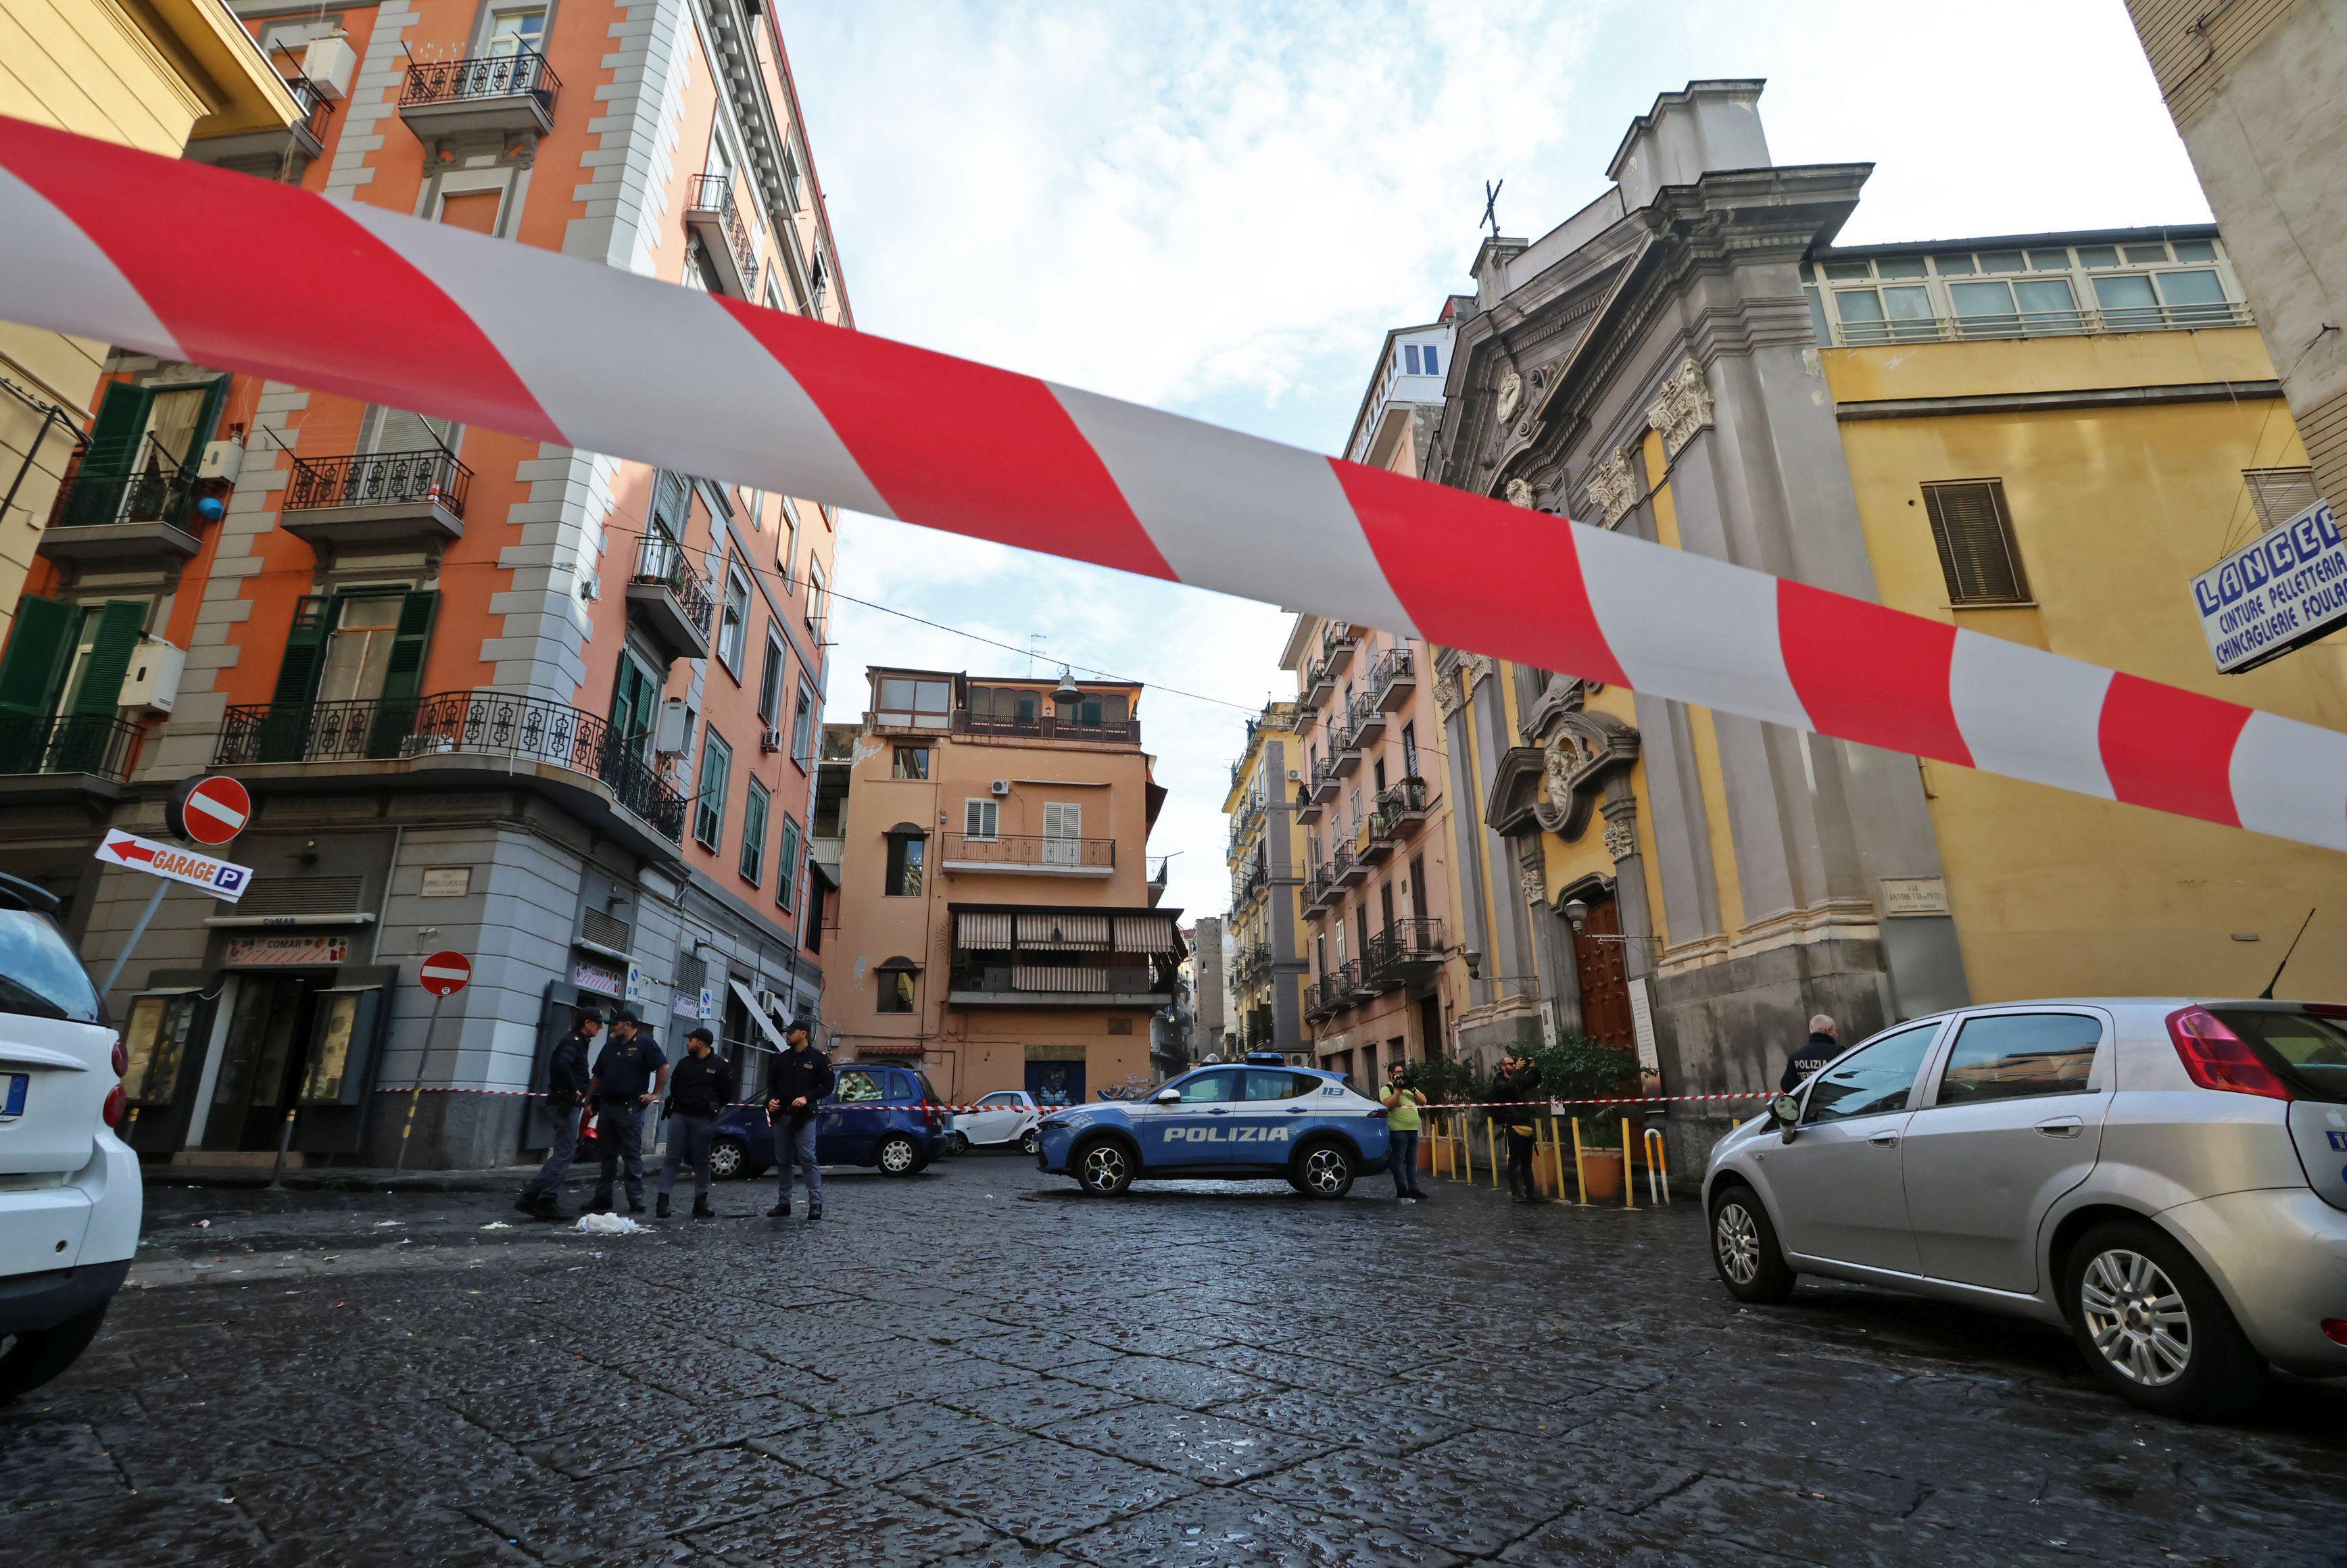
[2280, 592]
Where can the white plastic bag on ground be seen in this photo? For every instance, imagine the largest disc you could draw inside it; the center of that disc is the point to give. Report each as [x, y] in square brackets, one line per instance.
[608, 1225]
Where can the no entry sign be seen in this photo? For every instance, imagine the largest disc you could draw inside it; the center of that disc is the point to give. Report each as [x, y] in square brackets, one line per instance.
[208, 810]
[446, 973]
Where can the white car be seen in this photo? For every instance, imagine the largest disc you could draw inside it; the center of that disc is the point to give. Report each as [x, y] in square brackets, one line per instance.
[1004, 1118]
[70, 1194]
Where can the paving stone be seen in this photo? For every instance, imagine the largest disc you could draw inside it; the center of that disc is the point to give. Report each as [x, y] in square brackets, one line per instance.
[1042, 1491]
[1215, 1530]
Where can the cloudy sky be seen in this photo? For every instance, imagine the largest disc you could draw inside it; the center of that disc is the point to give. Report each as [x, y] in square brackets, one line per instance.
[1220, 207]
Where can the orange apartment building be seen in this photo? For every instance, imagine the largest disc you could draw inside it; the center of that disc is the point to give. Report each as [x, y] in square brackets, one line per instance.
[552, 709]
[997, 913]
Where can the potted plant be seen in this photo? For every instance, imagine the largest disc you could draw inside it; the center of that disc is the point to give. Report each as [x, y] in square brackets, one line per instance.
[1580, 1068]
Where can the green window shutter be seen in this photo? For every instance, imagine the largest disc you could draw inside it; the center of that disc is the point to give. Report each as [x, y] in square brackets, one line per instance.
[402, 676]
[215, 399]
[306, 651]
[36, 656]
[106, 462]
[120, 625]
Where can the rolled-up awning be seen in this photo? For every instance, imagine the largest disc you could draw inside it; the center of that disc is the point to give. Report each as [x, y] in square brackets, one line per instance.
[988, 932]
[766, 1024]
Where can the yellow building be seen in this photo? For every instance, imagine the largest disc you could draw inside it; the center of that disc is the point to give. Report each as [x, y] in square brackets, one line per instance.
[1268, 863]
[2037, 437]
[998, 919]
[150, 74]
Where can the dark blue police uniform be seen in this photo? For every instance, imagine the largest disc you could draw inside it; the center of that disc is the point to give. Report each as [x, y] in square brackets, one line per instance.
[624, 1074]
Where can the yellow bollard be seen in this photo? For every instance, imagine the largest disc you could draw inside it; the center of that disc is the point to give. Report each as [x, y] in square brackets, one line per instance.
[1556, 1158]
[1580, 1168]
[1658, 1154]
[1629, 1169]
[1492, 1151]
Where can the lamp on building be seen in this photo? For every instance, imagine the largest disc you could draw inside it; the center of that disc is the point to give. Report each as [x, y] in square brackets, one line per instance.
[1067, 690]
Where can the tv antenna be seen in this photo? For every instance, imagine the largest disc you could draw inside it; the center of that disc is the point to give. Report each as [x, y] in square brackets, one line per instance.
[1492, 206]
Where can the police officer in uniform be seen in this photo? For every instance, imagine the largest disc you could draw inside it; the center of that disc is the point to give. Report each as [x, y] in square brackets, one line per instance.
[701, 1088]
[566, 1086]
[631, 1074]
[795, 1086]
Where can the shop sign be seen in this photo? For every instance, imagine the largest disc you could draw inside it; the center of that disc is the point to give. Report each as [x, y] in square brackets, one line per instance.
[684, 1004]
[1914, 895]
[595, 977]
[447, 881]
[285, 952]
[2282, 591]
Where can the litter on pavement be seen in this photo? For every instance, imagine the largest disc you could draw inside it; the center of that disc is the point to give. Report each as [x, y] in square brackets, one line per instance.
[608, 1225]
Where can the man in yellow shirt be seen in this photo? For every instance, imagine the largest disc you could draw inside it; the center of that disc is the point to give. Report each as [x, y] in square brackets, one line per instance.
[1401, 1102]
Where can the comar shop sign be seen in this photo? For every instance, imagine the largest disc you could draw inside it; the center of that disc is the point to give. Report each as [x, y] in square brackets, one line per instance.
[2281, 592]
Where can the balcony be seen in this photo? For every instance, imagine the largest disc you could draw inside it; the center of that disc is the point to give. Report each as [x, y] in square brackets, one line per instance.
[726, 239]
[1346, 868]
[1375, 840]
[1319, 681]
[1338, 641]
[1393, 681]
[1339, 985]
[1324, 780]
[1158, 876]
[1307, 806]
[1403, 805]
[1046, 727]
[575, 754]
[66, 754]
[1404, 951]
[1368, 722]
[1313, 1011]
[1344, 748]
[144, 511]
[508, 93]
[1029, 956]
[1029, 853]
[671, 600]
[415, 498]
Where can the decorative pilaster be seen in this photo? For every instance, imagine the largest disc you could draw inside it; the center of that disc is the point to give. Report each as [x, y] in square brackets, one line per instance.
[1682, 407]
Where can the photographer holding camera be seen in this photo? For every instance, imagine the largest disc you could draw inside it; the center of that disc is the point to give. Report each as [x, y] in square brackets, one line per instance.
[1402, 1100]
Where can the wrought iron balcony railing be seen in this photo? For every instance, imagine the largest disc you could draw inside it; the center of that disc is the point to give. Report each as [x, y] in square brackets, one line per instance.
[1021, 851]
[714, 193]
[1402, 950]
[507, 73]
[664, 562]
[154, 486]
[1049, 727]
[97, 743]
[493, 724]
[1393, 666]
[379, 478]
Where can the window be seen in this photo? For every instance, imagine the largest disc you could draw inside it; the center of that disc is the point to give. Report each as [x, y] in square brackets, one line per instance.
[1874, 1081]
[1003, 1099]
[895, 991]
[770, 683]
[733, 624]
[818, 606]
[1420, 359]
[787, 866]
[1262, 1084]
[1409, 751]
[157, 1040]
[910, 763]
[2016, 1056]
[858, 1086]
[511, 32]
[358, 650]
[1975, 535]
[754, 833]
[904, 873]
[790, 552]
[2279, 494]
[708, 809]
[803, 728]
[908, 703]
[1215, 1088]
[1063, 832]
[980, 818]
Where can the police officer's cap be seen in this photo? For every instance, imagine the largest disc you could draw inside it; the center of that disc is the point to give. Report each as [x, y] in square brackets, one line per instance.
[591, 1014]
[625, 1015]
[798, 1026]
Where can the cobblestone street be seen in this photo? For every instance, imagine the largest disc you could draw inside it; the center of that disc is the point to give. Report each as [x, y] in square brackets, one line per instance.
[979, 1366]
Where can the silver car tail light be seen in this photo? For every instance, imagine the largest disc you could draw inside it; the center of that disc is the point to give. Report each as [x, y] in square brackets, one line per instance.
[2214, 1057]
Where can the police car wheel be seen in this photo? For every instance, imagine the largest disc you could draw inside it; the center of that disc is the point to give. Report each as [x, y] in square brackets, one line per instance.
[1327, 1170]
[1104, 1168]
[725, 1158]
[898, 1157]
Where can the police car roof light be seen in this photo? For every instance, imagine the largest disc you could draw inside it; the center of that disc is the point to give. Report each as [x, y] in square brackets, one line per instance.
[1265, 1059]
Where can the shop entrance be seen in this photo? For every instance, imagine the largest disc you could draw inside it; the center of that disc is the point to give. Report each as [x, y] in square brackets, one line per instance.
[262, 1058]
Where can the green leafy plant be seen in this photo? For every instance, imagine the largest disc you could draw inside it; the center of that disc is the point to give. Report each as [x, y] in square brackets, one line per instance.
[1579, 1067]
[1447, 1081]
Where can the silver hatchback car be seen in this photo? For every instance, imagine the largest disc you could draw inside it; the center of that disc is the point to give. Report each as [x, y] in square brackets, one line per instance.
[2167, 1177]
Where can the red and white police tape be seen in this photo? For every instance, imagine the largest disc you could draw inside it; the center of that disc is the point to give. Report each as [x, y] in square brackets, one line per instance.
[1096, 1104]
[201, 264]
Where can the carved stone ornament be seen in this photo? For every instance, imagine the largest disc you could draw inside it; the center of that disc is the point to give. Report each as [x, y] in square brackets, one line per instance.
[1621, 839]
[1474, 668]
[1447, 694]
[1683, 409]
[1587, 748]
[1520, 492]
[1512, 393]
[1534, 885]
[1613, 487]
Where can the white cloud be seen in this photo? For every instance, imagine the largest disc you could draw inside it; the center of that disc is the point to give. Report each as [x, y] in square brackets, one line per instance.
[1221, 208]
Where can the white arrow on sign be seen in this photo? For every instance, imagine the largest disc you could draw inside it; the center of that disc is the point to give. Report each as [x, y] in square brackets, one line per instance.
[223, 879]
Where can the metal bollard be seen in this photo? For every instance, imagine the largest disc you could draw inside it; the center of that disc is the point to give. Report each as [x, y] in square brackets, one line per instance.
[1580, 1167]
[1658, 1159]
[1492, 1151]
[284, 1142]
[1629, 1168]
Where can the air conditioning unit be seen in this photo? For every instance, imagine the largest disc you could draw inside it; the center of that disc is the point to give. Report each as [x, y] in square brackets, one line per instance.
[152, 681]
[1001, 786]
[221, 460]
[674, 728]
[769, 740]
[329, 62]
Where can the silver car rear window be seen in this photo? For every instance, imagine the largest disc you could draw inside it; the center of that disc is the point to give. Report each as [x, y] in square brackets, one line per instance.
[2308, 1049]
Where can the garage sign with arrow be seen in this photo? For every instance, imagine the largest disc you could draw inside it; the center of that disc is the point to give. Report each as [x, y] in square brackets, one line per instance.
[223, 879]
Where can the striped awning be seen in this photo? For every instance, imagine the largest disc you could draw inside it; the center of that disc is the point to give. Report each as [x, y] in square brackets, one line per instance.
[988, 932]
[1146, 934]
[1054, 977]
[1064, 929]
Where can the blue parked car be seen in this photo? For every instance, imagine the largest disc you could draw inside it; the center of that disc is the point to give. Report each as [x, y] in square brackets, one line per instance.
[1219, 1122]
[874, 1115]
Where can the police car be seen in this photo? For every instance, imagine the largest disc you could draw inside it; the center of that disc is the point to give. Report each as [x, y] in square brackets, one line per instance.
[1251, 1120]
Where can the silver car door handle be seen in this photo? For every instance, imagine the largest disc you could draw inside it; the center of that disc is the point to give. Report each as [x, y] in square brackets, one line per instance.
[2062, 1127]
[1884, 1140]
